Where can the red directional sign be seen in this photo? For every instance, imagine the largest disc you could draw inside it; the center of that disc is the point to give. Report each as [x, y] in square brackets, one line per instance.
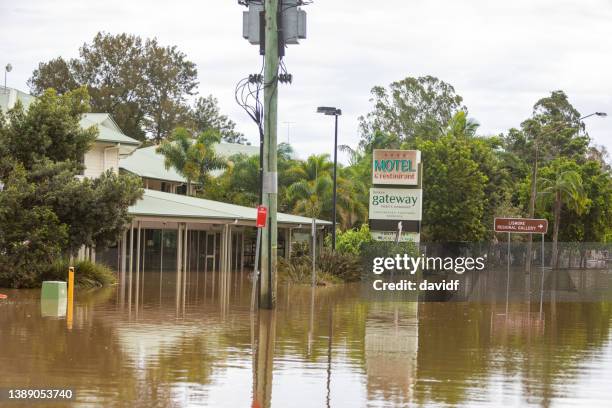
[262, 215]
[521, 225]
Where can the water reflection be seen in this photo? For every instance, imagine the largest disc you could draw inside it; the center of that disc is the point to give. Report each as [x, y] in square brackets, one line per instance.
[191, 340]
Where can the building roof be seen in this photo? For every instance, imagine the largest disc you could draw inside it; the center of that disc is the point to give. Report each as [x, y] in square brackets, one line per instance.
[146, 162]
[108, 131]
[229, 149]
[167, 205]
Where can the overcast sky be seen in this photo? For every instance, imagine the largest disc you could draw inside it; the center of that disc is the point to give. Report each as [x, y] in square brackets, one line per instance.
[500, 56]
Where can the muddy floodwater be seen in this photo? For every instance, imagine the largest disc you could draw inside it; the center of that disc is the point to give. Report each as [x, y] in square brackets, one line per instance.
[155, 346]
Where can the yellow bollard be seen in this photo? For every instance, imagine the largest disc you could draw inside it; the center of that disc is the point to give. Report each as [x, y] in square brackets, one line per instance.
[70, 284]
[70, 297]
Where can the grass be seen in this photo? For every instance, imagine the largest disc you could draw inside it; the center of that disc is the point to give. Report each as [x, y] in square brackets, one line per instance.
[86, 274]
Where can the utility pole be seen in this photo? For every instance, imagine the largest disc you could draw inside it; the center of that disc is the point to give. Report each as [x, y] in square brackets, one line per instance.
[267, 293]
[284, 22]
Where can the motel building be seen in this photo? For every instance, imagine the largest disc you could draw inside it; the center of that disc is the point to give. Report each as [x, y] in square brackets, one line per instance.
[171, 231]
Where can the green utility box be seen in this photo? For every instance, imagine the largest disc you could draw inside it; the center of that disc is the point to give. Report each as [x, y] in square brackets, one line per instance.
[53, 307]
[53, 290]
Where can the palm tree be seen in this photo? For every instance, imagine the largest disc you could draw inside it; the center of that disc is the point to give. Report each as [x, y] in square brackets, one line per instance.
[460, 126]
[193, 158]
[352, 199]
[311, 187]
[561, 187]
[315, 166]
[309, 196]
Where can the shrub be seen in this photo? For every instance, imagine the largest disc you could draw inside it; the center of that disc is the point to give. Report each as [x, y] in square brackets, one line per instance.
[86, 274]
[330, 267]
[300, 249]
[351, 241]
[346, 267]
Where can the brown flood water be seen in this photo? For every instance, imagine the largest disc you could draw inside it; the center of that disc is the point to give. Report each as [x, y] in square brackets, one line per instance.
[327, 348]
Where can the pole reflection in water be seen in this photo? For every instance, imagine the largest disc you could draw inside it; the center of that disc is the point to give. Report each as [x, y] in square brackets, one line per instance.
[263, 354]
[330, 337]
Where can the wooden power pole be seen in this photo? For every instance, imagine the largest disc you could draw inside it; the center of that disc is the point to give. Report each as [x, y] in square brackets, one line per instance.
[267, 293]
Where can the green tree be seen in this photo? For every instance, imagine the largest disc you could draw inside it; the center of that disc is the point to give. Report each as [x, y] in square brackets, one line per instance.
[310, 197]
[32, 236]
[46, 210]
[195, 158]
[142, 84]
[49, 129]
[94, 211]
[206, 115]
[454, 188]
[411, 108]
[597, 185]
[311, 191]
[560, 185]
[592, 224]
[240, 182]
[350, 241]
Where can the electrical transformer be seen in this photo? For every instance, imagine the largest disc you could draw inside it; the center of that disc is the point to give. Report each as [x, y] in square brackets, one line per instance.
[291, 22]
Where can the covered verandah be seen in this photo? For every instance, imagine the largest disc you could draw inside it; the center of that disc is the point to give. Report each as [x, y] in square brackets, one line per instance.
[196, 239]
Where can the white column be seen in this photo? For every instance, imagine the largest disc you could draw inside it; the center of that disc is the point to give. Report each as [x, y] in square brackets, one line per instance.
[131, 264]
[179, 238]
[138, 242]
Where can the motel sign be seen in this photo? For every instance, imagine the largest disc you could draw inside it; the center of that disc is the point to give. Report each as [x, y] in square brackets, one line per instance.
[396, 167]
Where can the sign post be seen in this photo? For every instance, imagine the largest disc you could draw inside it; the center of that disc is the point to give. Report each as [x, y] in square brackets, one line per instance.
[542, 278]
[260, 222]
[314, 252]
[508, 276]
[521, 226]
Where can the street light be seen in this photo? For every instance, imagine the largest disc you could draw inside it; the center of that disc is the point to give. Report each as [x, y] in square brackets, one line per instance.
[330, 111]
[600, 114]
[8, 68]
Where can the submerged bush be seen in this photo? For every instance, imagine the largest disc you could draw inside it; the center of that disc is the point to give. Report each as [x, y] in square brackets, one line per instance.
[347, 266]
[331, 267]
[86, 273]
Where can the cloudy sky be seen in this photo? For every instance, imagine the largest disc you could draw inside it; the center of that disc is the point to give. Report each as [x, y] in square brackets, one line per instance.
[500, 56]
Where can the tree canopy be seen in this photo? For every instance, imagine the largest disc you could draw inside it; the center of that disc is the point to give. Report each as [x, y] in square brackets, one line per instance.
[144, 85]
[410, 108]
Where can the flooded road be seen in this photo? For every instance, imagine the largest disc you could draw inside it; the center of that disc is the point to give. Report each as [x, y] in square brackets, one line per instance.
[327, 348]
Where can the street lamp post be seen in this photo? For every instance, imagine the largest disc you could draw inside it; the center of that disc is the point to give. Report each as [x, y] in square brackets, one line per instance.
[330, 111]
[7, 69]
